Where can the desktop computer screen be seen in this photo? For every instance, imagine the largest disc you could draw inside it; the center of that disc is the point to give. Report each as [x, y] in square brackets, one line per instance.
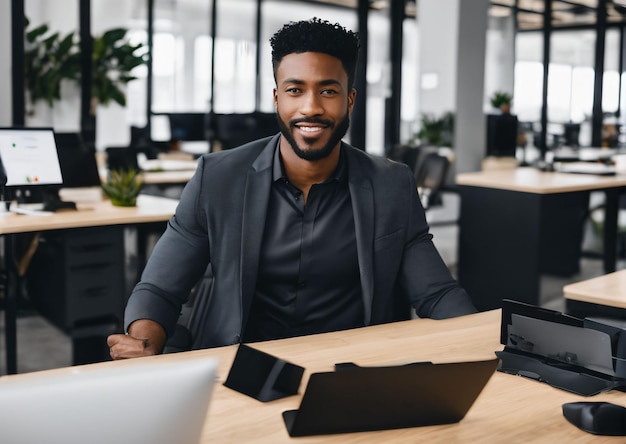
[38, 163]
[29, 157]
[233, 130]
[501, 135]
[571, 134]
[31, 167]
[188, 126]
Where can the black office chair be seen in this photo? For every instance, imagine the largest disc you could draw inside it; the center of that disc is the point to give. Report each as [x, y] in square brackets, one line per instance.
[595, 216]
[188, 322]
[430, 176]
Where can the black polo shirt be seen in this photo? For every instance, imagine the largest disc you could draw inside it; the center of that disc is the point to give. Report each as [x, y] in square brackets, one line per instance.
[308, 278]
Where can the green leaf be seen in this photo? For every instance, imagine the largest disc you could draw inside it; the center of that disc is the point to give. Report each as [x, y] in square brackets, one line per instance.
[66, 44]
[31, 36]
[111, 36]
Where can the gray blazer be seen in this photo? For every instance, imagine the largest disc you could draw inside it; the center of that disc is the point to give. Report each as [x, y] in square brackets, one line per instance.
[218, 228]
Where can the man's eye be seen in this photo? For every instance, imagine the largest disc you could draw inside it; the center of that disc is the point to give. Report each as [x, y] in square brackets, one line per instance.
[293, 90]
[328, 92]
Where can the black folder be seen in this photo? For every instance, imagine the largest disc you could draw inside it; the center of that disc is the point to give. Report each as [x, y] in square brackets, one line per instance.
[356, 399]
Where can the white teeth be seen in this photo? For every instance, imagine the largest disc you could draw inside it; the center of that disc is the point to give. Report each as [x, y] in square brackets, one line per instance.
[310, 129]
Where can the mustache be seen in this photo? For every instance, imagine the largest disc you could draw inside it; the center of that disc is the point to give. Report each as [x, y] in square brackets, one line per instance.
[294, 122]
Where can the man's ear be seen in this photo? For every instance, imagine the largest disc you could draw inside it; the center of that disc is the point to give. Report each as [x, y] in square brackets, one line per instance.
[351, 99]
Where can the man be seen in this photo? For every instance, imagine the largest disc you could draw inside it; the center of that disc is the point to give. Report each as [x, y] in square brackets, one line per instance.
[300, 232]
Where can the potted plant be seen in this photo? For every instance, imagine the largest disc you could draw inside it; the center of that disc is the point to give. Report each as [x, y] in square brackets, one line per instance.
[122, 187]
[49, 59]
[113, 59]
[502, 101]
[437, 131]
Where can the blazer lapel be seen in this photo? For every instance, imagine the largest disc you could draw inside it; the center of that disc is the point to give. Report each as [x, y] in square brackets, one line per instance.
[256, 197]
[362, 198]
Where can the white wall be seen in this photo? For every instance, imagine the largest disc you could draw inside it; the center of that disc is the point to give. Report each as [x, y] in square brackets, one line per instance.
[452, 58]
[6, 97]
[500, 58]
[438, 46]
[470, 124]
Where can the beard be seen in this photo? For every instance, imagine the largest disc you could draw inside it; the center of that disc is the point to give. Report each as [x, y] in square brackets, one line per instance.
[318, 153]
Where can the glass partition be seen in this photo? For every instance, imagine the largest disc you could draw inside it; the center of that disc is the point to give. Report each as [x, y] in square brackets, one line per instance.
[61, 17]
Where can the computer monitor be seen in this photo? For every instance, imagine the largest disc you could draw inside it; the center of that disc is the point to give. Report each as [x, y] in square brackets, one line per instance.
[571, 134]
[501, 135]
[189, 126]
[233, 130]
[31, 163]
[150, 400]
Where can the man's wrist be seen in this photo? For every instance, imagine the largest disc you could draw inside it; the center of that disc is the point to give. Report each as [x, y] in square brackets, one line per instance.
[150, 332]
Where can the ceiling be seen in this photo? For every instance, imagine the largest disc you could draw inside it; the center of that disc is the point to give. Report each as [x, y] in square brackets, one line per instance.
[565, 13]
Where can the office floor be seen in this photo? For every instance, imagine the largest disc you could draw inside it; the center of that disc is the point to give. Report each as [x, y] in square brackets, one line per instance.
[42, 346]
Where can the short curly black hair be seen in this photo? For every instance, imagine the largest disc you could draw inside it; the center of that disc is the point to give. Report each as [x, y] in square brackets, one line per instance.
[317, 35]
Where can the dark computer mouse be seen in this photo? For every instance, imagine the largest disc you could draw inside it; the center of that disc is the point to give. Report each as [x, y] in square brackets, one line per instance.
[599, 418]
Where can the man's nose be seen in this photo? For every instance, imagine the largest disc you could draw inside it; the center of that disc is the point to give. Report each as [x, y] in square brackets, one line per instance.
[311, 104]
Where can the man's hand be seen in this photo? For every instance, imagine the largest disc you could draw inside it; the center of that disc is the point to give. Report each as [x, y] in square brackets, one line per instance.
[144, 338]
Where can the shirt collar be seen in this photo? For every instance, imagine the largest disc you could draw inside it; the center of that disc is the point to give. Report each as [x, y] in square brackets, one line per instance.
[278, 169]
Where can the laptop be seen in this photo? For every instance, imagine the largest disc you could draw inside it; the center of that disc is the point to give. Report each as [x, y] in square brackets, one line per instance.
[142, 400]
[358, 399]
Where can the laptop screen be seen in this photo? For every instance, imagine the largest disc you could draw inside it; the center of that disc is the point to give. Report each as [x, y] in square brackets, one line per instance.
[146, 400]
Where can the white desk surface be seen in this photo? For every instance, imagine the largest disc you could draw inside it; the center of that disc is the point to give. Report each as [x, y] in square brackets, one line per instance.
[531, 180]
[609, 290]
[167, 177]
[92, 214]
[511, 409]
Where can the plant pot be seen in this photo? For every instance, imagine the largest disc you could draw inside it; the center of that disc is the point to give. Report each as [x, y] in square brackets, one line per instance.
[124, 202]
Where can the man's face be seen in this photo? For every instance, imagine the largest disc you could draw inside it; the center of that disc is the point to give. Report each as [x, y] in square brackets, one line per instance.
[313, 103]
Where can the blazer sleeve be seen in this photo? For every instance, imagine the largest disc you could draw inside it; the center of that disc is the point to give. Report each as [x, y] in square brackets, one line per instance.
[425, 278]
[177, 262]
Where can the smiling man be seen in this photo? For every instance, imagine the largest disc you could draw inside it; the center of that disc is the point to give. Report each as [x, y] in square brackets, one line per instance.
[298, 233]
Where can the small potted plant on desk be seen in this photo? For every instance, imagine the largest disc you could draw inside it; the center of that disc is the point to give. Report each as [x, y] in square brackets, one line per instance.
[502, 101]
[123, 187]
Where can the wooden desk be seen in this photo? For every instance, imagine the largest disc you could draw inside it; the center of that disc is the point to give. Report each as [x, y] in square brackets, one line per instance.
[149, 209]
[517, 224]
[604, 295]
[510, 408]
[172, 177]
[532, 180]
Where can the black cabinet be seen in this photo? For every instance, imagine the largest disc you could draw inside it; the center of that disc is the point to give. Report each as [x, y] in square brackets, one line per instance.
[76, 280]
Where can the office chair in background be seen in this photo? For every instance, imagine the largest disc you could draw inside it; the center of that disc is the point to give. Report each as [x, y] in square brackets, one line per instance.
[595, 216]
[430, 175]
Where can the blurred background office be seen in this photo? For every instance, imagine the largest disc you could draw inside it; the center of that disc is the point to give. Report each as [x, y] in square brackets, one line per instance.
[200, 77]
[561, 61]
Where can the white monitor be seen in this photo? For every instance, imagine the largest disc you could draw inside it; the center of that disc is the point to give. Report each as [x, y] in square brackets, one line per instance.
[156, 400]
[29, 157]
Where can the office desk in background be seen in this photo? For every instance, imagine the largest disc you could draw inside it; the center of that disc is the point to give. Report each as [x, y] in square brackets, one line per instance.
[517, 224]
[510, 409]
[149, 210]
[162, 172]
[166, 171]
[167, 177]
[600, 296]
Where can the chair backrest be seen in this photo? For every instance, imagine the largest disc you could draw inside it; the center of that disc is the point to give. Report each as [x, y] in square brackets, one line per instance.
[430, 176]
